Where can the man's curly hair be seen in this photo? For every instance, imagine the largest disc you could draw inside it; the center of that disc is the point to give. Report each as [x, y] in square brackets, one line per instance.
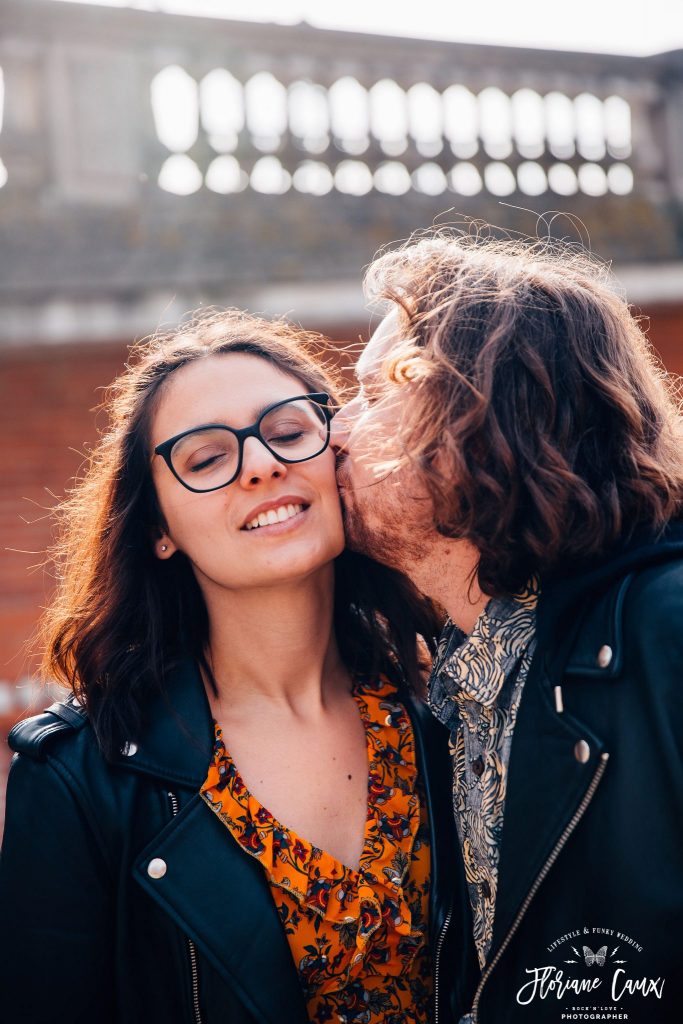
[539, 418]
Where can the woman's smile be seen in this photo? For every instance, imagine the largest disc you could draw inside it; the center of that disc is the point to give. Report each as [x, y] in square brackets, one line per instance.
[277, 517]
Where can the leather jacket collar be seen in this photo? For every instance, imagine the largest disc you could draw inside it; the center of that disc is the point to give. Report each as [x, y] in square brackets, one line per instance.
[177, 741]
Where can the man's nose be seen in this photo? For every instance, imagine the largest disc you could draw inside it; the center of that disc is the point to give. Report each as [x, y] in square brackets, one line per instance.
[340, 431]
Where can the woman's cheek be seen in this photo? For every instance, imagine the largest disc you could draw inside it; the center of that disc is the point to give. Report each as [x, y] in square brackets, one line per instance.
[198, 526]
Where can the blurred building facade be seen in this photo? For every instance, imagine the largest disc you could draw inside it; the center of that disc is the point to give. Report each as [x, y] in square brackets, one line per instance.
[151, 163]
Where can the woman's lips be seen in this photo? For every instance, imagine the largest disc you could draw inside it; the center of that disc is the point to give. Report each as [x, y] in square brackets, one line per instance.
[273, 529]
[266, 507]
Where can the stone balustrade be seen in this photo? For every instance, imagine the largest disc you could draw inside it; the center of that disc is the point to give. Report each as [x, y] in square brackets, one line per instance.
[151, 161]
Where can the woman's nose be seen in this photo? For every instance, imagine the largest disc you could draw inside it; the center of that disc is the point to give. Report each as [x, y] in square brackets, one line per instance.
[258, 463]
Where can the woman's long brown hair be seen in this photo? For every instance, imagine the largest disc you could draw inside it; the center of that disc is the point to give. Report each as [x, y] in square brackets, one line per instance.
[120, 616]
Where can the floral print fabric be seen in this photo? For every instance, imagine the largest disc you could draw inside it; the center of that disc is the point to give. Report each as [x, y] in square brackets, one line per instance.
[475, 689]
[359, 939]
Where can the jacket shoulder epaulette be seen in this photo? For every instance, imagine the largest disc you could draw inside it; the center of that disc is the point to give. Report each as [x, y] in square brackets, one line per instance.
[31, 735]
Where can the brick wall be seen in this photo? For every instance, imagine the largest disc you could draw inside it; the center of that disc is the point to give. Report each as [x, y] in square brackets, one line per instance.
[46, 400]
[666, 334]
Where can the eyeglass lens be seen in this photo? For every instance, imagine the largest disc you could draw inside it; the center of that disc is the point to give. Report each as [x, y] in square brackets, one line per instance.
[208, 457]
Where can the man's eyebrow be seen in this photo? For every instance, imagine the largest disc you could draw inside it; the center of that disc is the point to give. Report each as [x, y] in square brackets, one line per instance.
[367, 382]
[366, 375]
[373, 389]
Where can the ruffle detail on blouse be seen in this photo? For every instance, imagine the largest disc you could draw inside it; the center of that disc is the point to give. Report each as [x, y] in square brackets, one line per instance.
[359, 903]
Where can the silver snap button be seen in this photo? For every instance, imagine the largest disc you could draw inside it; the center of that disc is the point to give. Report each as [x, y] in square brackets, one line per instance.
[156, 868]
[128, 749]
[604, 656]
[582, 752]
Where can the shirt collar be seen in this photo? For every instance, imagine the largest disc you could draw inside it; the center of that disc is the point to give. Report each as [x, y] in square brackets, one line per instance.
[477, 665]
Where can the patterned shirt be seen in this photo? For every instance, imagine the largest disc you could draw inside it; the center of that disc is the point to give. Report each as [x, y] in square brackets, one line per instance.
[475, 689]
[359, 939]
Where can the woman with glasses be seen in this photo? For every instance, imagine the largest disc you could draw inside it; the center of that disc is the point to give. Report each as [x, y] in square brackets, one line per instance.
[239, 812]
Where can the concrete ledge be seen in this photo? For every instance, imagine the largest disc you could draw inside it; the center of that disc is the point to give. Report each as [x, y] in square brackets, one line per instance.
[326, 306]
[335, 307]
[652, 284]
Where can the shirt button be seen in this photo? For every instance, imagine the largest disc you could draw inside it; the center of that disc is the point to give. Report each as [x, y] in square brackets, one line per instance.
[156, 868]
[478, 766]
[604, 656]
[128, 749]
[582, 752]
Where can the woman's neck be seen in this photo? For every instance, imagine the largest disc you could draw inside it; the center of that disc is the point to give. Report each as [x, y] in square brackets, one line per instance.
[275, 646]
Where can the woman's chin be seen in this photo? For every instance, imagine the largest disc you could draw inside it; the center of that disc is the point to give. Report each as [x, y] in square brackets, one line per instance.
[294, 566]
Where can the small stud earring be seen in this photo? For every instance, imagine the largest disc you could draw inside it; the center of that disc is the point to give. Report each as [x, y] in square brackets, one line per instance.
[164, 547]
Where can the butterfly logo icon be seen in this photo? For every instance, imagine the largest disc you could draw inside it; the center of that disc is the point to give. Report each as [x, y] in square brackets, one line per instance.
[590, 958]
[595, 958]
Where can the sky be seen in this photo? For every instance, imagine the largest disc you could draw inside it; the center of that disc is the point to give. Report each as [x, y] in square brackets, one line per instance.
[608, 26]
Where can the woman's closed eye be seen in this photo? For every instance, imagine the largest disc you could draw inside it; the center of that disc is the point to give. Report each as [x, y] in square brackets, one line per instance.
[205, 464]
[208, 460]
[290, 438]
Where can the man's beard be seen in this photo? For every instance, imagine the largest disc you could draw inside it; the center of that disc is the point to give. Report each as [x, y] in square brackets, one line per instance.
[359, 535]
[385, 529]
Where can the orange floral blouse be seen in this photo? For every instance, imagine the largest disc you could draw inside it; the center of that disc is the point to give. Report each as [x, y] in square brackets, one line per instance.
[359, 939]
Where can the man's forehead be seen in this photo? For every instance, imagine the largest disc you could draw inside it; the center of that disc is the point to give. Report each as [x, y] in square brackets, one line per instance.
[380, 344]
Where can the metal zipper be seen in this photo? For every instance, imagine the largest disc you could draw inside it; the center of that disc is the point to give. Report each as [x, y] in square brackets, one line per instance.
[437, 957]
[578, 814]
[191, 946]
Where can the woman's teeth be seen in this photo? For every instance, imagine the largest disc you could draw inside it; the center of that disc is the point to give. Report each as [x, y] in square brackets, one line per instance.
[274, 515]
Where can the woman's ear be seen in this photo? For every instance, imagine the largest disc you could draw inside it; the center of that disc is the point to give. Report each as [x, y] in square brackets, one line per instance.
[162, 544]
[165, 548]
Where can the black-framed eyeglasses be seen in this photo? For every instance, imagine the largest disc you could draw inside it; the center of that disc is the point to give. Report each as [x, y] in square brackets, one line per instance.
[209, 457]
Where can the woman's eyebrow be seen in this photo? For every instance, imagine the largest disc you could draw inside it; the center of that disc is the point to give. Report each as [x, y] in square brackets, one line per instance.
[256, 415]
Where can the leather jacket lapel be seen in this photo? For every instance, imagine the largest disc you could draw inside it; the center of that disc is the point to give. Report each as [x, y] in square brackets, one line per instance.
[177, 741]
[214, 892]
[433, 760]
[221, 899]
[546, 782]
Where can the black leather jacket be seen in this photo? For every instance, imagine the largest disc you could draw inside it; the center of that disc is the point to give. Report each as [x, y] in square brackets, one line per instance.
[592, 845]
[90, 937]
